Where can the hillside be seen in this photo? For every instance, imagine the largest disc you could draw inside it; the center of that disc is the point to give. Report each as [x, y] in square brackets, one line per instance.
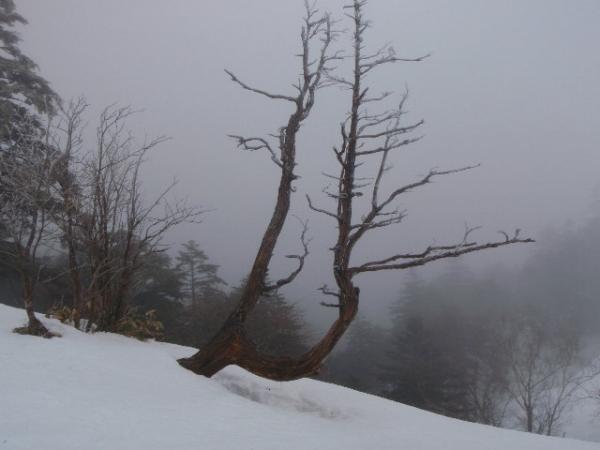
[109, 392]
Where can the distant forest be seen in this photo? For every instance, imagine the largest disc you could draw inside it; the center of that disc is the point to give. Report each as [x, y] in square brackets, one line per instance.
[456, 341]
[81, 241]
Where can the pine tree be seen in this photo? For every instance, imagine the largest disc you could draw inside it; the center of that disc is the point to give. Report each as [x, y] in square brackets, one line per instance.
[23, 92]
[276, 326]
[206, 304]
[26, 160]
[428, 365]
[159, 288]
[356, 364]
[199, 277]
[445, 353]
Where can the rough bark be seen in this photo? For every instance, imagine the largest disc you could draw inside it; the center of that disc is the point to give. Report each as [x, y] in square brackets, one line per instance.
[34, 326]
[359, 130]
[231, 345]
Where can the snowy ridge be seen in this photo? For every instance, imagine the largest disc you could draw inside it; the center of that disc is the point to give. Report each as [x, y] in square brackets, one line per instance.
[108, 392]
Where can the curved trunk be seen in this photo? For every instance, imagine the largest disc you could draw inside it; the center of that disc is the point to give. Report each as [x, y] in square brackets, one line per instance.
[233, 346]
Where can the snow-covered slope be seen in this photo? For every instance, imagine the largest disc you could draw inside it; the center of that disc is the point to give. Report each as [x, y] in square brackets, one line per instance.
[109, 392]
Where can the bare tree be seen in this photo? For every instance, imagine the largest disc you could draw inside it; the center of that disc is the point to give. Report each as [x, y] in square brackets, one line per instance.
[547, 373]
[107, 226]
[25, 205]
[68, 138]
[488, 394]
[363, 135]
[232, 345]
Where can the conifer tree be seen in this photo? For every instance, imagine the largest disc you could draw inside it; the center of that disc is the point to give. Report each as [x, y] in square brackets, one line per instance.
[23, 92]
[199, 277]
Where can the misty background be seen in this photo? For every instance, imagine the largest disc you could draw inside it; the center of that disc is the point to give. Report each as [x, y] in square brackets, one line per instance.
[510, 85]
[507, 338]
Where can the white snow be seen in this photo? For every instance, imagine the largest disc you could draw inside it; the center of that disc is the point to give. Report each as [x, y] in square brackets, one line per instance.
[108, 392]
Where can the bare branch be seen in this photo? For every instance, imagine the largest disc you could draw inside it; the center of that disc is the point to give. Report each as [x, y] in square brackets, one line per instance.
[390, 132]
[425, 180]
[330, 305]
[433, 254]
[292, 276]
[259, 91]
[326, 291]
[256, 143]
[319, 210]
[389, 147]
[385, 55]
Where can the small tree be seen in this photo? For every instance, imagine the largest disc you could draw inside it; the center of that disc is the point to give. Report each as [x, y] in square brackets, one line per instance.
[25, 159]
[428, 365]
[158, 288]
[108, 227]
[363, 135]
[356, 361]
[23, 92]
[25, 205]
[231, 344]
[199, 277]
[546, 372]
[445, 348]
[275, 325]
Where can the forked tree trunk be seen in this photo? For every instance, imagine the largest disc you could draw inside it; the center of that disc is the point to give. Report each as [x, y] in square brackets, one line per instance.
[233, 346]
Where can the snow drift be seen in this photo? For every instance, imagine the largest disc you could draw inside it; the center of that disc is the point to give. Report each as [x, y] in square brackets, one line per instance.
[110, 392]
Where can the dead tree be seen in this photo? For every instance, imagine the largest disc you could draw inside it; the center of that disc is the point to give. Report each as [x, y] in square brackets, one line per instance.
[106, 225]
[232, 345]
[363, 135]
[68, 138]
[25, 205]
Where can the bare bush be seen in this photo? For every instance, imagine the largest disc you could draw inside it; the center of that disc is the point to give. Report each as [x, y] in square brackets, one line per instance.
[107, 226]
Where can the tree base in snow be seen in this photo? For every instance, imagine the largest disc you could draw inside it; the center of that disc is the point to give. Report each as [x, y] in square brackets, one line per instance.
[36, 329]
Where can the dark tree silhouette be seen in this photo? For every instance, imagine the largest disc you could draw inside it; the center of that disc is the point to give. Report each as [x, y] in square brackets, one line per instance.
[363, 135]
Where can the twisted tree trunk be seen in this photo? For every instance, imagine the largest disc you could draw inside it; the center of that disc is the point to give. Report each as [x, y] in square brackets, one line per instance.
[362, 134]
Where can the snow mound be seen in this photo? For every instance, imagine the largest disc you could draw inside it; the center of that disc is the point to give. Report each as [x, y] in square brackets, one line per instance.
[108, 392]
[278, 395]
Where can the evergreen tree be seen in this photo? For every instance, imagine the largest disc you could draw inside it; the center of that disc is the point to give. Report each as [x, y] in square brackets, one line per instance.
[276, 326]
[23, 95]
[199, 277]
[445, 353]
[428, 366]
[23, 92]
[206, 305]
[356, 363]
[159, 288]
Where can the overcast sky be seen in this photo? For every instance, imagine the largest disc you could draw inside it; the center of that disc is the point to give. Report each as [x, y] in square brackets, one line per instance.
[511, 84]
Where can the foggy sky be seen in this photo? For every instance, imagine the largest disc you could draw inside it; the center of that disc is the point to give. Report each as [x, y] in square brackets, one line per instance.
[513, 85]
